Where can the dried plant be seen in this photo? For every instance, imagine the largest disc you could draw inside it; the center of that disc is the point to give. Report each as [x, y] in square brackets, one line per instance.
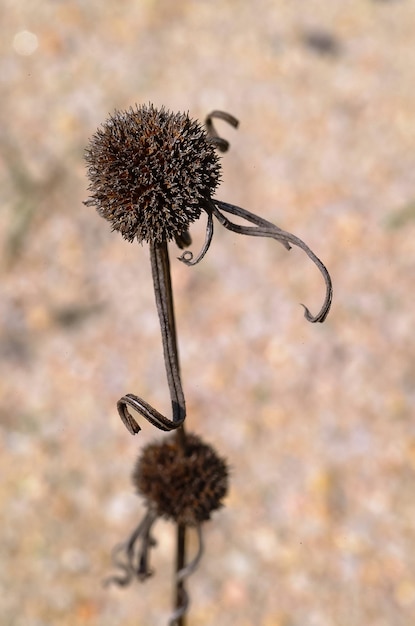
[152, 173]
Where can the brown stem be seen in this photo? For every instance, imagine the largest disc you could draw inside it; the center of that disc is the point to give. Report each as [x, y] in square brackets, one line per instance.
[180, 592]
[160, 264]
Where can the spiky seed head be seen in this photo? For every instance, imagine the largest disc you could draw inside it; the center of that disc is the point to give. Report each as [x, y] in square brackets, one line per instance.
[184, 487]
[151, 172]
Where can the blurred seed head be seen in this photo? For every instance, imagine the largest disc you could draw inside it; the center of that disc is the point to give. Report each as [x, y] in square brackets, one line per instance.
[184, 487]
[151, 172]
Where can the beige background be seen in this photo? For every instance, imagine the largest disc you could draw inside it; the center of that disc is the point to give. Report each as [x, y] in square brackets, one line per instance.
[317, 421]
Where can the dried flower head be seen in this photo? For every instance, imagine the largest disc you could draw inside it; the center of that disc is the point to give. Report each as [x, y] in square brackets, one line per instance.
[183, 486]
[151, 172]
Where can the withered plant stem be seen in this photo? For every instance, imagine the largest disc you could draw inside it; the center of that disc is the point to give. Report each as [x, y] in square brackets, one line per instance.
[180, 591]
[160, 266]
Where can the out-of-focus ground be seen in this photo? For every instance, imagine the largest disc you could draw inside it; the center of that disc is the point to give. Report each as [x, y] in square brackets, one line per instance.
[317, 421]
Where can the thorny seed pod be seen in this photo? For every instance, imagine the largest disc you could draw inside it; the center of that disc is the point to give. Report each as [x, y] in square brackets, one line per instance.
[151, 173]
[184, 486]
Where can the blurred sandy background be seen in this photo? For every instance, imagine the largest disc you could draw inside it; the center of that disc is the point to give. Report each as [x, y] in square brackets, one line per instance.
[317, 421]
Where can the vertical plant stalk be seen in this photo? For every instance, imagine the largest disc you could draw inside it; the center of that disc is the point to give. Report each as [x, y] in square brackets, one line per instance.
[160, 267]
[180, 600]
